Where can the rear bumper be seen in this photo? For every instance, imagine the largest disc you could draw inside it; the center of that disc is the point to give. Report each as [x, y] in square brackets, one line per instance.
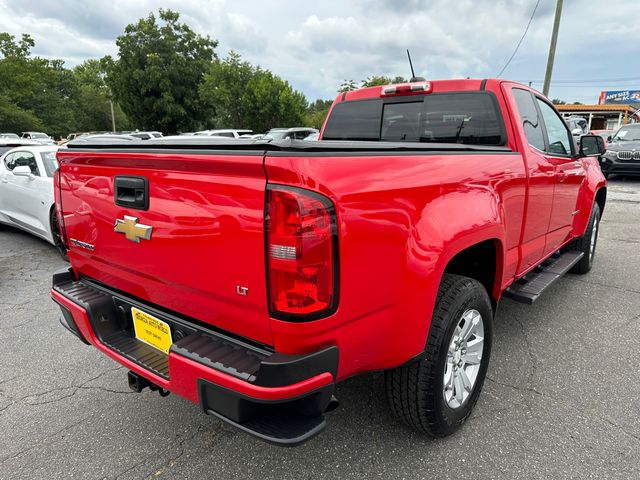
[277, 397]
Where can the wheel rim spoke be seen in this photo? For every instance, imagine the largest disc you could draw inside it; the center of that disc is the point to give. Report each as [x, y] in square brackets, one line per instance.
[463, 359]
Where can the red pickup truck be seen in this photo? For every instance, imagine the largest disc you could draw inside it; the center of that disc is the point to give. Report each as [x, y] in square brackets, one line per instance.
[250, 277]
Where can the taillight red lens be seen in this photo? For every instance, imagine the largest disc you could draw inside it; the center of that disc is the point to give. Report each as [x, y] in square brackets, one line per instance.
[301, 251]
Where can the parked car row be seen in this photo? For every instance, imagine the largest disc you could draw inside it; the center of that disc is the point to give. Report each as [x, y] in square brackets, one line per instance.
[295, 133]
[39, 137]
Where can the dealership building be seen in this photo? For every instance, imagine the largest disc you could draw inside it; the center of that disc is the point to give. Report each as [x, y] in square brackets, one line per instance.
[614, 109]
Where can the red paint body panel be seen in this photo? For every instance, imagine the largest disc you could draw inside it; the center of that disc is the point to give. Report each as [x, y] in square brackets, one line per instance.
[207, 213]
[401, 218]
[415, 212]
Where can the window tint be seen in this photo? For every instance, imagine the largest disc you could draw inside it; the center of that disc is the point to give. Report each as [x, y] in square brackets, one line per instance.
[18, 159]
[469, 118]
[559, 139]
[357, 120]
[401, 122]
[529, 116]
[50, 162]
[457, 117]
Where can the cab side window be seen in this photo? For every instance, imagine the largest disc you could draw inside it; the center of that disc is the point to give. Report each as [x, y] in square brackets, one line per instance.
[557, 133]
[530, 118]
[18, 159]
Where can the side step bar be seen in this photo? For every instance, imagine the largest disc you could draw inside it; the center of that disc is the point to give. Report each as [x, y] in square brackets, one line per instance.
[530, 287]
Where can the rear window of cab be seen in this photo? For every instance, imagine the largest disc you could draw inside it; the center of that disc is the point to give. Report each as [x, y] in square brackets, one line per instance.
[471, 118]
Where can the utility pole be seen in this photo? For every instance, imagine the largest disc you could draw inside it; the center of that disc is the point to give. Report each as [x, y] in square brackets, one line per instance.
[552, 49]
[113, 117]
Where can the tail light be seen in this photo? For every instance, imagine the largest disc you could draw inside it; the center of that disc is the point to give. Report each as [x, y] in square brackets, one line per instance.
[302, 253]
[57, 195]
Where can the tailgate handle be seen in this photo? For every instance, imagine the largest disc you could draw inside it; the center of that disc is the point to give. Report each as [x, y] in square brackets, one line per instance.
[131, 192]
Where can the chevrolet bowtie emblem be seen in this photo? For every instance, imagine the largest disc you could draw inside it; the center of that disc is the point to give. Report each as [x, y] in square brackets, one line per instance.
[132, 229]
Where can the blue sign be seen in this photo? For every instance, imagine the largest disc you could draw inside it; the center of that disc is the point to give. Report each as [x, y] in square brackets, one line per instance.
[619, 97]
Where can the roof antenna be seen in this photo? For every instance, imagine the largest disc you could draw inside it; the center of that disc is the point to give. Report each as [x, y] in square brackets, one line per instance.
[413, 74]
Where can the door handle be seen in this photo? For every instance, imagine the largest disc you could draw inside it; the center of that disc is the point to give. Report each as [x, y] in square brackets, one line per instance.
[545, 167]
[561, 176]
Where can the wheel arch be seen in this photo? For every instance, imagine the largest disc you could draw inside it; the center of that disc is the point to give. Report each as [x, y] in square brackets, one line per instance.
[483, 261]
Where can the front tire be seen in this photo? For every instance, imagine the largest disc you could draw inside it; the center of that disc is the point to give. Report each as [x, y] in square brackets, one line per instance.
[436, 394]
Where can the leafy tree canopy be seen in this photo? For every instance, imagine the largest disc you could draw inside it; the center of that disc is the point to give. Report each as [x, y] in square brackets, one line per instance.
[246, 96]
[159, 69]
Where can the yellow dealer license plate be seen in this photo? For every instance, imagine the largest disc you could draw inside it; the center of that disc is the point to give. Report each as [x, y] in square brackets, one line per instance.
[151, 330]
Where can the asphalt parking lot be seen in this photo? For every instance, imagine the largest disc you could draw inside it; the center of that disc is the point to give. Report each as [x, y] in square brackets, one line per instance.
[562, 399]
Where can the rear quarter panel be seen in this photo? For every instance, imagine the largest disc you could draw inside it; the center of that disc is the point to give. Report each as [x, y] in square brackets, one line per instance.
[401, 218]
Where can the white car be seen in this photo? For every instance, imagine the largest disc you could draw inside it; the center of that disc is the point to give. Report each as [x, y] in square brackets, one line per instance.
[26, 192]
[229, 133]
[39, 137]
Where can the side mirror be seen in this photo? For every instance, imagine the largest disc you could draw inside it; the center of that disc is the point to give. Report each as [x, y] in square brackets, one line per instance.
[609, 138]
[591, 146]
[576, 132]
[23, 171]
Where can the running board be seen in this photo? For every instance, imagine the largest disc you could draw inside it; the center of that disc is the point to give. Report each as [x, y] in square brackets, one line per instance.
[530, 287]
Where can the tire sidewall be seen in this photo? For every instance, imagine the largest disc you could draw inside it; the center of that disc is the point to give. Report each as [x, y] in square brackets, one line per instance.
[471, 299]
[593, 223]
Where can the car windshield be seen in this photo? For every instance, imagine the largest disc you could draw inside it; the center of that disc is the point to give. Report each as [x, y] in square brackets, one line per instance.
[275, 135]
[39, 135]
[627, 134]
[50, 162]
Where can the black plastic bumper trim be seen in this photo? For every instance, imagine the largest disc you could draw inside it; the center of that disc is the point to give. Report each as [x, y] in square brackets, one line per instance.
[286, 422]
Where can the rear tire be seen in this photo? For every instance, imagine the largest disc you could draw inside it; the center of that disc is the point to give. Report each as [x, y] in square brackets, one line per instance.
[55, 233]
[587, 242]
[424, 394]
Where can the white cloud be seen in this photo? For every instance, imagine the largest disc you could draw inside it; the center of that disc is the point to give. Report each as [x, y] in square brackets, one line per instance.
[316, 46]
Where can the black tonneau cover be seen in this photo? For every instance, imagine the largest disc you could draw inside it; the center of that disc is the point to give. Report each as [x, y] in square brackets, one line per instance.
[302, 146]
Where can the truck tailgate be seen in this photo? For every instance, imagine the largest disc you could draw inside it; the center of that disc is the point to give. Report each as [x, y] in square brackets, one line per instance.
[205, 254]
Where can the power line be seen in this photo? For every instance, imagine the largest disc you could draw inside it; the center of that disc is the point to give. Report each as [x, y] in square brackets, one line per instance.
[593, 80]
[521, 39]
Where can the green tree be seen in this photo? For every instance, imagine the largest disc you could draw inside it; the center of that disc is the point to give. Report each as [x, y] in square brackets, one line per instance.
[347, 86]
[246, 96]
[158, 72]
[269, 102]
[317, 112]
[93, 108]
[37, 93]
[378, 80]
[16, 119]
[557, 101]
[224, 85]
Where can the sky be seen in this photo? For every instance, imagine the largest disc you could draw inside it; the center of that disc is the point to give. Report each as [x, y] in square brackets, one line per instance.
[317, 45]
